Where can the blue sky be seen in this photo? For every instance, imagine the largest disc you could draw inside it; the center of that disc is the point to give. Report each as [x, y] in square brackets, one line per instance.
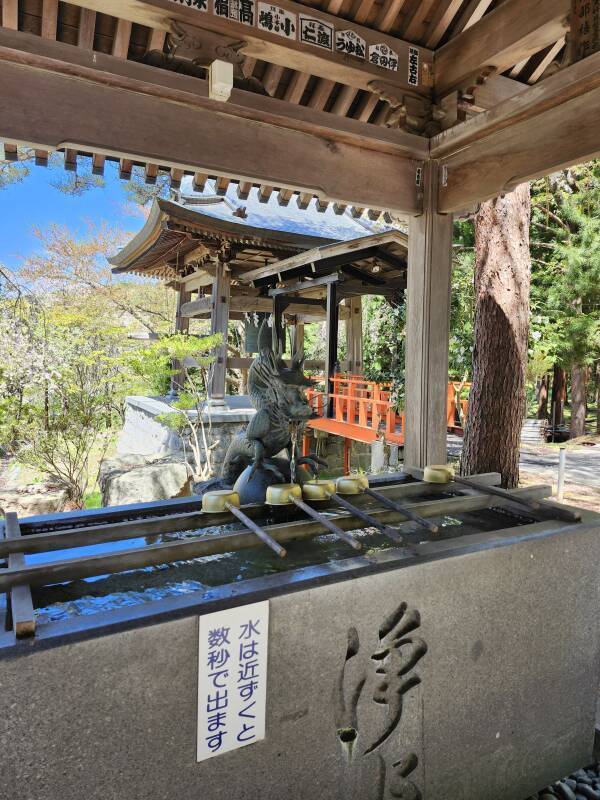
[36, 203]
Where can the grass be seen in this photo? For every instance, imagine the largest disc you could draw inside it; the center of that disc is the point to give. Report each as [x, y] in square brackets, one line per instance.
[93, 499]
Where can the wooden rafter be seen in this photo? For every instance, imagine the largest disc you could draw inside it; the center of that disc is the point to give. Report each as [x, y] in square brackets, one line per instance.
[156, 40]
[87, 27]
[495, 151]
[151, 173]
[286, 53]
[499, 40]
[441, 19]
[471, 12]
[144, 128]
[122, 35]
[98, 162]
[10, 14]
[49, 19]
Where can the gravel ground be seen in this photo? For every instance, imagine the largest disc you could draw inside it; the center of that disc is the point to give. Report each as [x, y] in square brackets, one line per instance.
[584, 784]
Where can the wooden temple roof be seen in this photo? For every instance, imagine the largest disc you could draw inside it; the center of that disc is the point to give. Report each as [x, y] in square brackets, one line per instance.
[498, 61]
[374, 264]
[177, 240]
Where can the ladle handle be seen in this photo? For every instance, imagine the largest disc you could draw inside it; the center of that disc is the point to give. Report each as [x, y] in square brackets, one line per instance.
[531, 504]
[534, 505]
[326, 523]
[262, 535]
[358, 512]
[385, 501]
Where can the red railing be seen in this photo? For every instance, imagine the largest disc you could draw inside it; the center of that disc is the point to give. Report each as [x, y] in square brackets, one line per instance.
[360, 403]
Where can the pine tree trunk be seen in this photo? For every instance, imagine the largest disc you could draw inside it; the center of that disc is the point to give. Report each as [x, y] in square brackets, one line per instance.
[542, 398]
[559, 395]
[579, 376]
[598, 399]
[502, 279]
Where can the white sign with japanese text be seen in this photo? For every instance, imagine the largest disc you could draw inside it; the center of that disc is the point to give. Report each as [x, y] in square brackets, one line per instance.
[350, 43]
[314, 31]
[413, 66]
[277, 20]
[232, 679]
[243, 11]
[383, 56]
[199, 5]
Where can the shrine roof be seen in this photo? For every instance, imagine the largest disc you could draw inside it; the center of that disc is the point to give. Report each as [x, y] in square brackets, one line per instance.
[255, 233]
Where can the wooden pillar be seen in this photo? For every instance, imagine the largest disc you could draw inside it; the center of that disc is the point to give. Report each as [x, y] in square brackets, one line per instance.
[10, 14]
[279, 305]
[182, 325]
[584, 36]
[298, 338]
[219, 321]
[427, 329]
[331, 351]
[354, 342]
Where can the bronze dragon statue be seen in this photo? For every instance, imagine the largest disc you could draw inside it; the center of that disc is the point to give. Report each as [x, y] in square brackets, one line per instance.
[276, 392]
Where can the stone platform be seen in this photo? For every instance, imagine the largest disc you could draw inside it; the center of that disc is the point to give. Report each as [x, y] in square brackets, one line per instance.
[144, 433]
[467, 672]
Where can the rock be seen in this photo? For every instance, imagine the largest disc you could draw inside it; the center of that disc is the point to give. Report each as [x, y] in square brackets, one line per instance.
[142, 479]
[33, 499]
[586, 791]
[564, 791]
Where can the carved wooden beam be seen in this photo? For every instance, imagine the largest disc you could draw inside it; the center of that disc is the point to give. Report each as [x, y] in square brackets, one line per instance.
[547, 127]
[291, 35]
[152, 112]
[512, 32]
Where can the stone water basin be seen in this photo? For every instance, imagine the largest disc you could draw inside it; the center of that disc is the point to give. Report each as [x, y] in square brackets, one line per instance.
[91, 596]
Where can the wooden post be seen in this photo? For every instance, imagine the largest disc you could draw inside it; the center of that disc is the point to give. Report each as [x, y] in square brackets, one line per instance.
[584, 38]
[182, 325]
[21, 604]
[10, 14]
[354, 344]
[279, 305]
[219, 321]
[298, 338]
[331, 333]
[427, 329]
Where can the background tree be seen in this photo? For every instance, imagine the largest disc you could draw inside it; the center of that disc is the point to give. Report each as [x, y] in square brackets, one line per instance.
[190, 416]
[62, 384]
[66, 264]
[502, 280]
[566, 284]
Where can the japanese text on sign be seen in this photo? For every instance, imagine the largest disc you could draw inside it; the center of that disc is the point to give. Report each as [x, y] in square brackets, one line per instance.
[315, 32]
[413, 66]
[383, 56]
[350, 43]
[200, 5]
[243, 11]
[232, 679]
[585, 28]
[277, 20]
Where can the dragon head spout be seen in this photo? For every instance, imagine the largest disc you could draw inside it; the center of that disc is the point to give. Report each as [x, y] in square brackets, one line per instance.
[272, 381]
